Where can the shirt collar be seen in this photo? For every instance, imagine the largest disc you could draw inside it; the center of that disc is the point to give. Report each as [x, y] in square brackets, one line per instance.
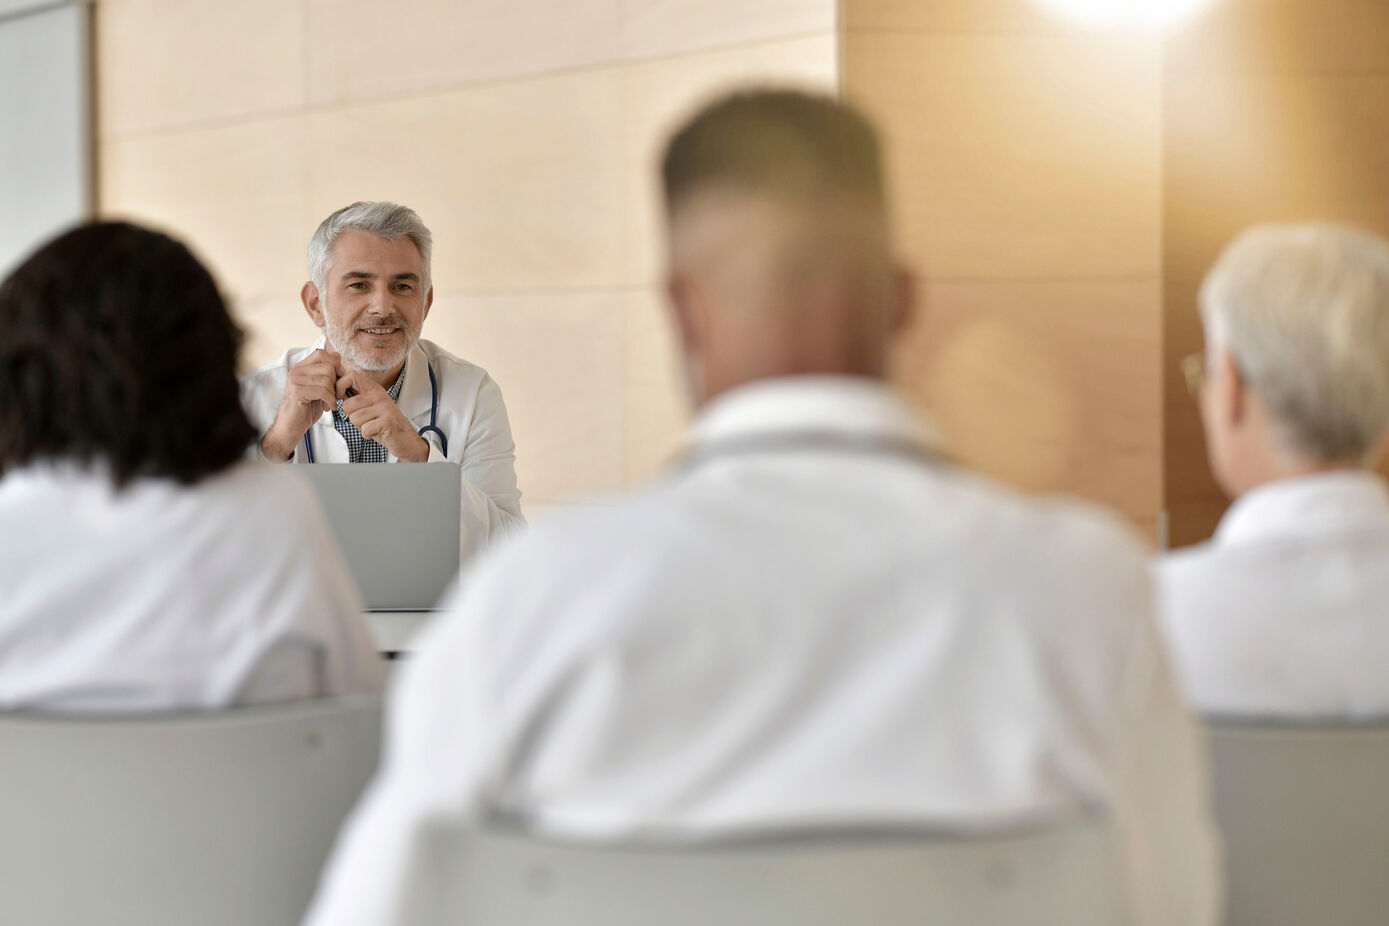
[1309, 505]
[394, 391]
[855, 408]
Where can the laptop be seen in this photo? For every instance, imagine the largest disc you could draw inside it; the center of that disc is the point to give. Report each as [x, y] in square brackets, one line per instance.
[397, 525]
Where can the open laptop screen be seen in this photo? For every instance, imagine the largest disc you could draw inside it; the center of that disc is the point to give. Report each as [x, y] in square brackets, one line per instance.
[397, 525]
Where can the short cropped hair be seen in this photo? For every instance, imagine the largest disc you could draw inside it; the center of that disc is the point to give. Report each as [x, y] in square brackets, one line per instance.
[786, 143]
[382, 219]
[118, 350]
[1304, 311]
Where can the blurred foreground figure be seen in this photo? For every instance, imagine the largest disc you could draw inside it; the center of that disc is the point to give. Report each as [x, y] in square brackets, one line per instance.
[815, 620]
[1283, 611]
[145, 566]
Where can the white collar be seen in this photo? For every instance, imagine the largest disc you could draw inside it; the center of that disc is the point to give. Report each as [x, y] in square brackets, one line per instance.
[856, 408]
[1309, 505]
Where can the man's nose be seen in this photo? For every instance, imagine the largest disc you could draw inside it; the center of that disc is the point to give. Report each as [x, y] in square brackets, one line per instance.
[380, 302]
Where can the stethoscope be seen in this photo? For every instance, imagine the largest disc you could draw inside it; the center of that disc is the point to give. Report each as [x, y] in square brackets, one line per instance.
[431, 428]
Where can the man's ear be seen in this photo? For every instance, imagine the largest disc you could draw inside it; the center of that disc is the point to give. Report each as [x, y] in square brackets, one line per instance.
[905, 299]
[428, 301]
[313, 304]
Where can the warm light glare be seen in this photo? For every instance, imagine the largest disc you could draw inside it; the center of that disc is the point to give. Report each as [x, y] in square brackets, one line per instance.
[1127, 14]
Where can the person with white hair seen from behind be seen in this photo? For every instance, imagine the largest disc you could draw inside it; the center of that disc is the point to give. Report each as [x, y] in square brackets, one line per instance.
[1282, 613]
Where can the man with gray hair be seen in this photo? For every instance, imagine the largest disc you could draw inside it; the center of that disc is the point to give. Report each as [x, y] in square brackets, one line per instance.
[1283, 612]
[370, 390]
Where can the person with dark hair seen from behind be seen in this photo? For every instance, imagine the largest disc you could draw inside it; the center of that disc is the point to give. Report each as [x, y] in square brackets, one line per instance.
[146, 566]
[817, 621]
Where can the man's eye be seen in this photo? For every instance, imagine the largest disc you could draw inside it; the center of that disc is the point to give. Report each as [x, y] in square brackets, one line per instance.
[402, 287]
[357, 285]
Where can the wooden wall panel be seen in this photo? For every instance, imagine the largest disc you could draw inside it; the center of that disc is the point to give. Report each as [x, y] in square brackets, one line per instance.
[1026, 156]
[938, 17]
[1275, 110]
[1046, 385]
[1018, 156]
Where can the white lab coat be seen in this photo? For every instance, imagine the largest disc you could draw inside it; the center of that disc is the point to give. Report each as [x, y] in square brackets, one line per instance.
[165, 597]
[471, 414]
[1285, 611]
[816, 632]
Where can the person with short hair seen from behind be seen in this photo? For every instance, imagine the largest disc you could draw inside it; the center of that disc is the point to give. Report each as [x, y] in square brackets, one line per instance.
[370, 390]
[1282, 612]
[146, 565]
[814, 620]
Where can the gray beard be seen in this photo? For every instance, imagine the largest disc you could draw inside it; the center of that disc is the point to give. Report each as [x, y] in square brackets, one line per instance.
[355, 359]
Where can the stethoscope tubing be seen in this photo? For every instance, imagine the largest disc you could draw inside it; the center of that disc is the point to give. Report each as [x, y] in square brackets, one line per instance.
[431, 428]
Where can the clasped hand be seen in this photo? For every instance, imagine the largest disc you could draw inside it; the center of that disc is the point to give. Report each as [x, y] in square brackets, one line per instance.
[315, 384]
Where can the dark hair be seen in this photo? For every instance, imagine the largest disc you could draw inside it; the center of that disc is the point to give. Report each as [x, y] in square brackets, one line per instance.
[118, 349]
[783, 142]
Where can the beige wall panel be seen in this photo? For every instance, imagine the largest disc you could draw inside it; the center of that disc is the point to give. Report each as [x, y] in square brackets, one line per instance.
[273, 325]
[656, 28]
[949, 16]
[657, 402]
[558, 358]
[365, 49]
[658, 95]
[1048, 386]
[521, 183]
[236, 193]
[1016, 157]
[167, 63]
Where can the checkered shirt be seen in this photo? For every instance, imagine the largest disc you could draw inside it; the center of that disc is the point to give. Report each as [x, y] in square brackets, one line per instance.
[361, 449]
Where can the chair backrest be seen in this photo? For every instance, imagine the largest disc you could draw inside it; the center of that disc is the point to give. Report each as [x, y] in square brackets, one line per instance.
[204, 819]
[1305, 816]
[1066, 876]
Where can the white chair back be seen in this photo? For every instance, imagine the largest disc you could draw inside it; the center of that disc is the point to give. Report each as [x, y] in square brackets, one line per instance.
[205, 819]
[1305, 815]
[1065, 876]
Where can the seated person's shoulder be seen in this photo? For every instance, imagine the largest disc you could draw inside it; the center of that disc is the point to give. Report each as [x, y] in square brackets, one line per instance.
[277, 368]
[261, 389]
[268, 500]
[1056, 529]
